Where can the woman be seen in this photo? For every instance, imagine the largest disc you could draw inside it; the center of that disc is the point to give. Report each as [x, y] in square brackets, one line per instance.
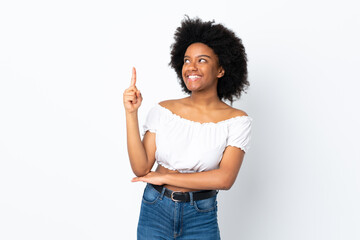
[198, 141]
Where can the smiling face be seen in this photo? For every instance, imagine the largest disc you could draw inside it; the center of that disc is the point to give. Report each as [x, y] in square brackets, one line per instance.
[201, 68]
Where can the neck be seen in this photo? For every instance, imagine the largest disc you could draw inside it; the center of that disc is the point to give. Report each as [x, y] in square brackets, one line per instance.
[204, 101]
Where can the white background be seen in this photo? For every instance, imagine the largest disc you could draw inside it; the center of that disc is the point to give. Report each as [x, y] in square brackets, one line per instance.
[64, 170]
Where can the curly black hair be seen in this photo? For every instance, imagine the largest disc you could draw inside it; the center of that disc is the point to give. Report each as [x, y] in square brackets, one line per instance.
[226, 45]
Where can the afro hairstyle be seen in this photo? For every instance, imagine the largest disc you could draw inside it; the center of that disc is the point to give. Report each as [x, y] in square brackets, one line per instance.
[225, 44]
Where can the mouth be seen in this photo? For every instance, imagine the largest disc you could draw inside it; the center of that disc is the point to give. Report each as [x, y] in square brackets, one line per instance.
[192, 78]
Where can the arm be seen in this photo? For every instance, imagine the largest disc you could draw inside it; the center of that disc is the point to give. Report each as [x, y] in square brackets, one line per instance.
[221, 178]
[141, 153]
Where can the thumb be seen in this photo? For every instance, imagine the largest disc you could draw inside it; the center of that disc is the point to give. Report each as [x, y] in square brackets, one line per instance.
[138, 94]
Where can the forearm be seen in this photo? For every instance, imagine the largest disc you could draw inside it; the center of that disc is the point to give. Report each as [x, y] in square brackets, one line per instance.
[136, 150]
[214, 179]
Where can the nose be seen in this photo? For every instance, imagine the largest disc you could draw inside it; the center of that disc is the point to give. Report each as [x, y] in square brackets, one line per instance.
[192, 66]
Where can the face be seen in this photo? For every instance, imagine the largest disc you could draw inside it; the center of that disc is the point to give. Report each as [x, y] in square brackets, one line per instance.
[201, 68]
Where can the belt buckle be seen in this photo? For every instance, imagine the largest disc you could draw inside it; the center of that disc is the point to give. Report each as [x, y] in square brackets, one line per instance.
[172, 196]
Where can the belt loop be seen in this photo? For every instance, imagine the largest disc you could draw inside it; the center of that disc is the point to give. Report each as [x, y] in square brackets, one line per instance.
[162, 193]
[191, 198]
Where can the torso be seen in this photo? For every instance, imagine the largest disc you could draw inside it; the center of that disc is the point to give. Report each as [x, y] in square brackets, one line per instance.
[184, 109]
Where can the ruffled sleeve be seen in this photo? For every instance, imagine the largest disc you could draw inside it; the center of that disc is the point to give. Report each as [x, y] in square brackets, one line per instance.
[152, 121]
[240, 133]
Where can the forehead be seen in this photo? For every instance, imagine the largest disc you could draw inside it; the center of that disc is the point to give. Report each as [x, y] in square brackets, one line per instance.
[199, 49]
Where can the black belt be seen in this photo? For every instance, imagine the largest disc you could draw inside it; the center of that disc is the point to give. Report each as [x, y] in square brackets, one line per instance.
[185, 196]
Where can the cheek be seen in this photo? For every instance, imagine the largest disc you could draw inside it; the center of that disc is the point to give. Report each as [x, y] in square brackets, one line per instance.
[183, 71]
[215, 71]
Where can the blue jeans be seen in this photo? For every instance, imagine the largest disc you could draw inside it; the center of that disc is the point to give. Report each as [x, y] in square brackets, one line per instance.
[162, 218]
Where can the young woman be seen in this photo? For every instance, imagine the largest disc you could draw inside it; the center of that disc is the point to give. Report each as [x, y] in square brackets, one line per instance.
[198, 141]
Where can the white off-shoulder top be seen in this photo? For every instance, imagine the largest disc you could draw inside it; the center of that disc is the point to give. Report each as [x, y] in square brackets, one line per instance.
[188, 146]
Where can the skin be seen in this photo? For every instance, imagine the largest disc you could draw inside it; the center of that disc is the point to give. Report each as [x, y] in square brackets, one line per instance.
[203, 105]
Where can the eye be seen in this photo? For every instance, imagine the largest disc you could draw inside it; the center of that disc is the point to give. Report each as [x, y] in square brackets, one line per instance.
[202, 60]
[186, 60]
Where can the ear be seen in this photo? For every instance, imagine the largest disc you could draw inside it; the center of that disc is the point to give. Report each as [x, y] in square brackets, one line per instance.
[221, 72]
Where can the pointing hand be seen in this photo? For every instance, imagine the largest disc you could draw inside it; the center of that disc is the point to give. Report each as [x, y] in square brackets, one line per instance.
[132, 96]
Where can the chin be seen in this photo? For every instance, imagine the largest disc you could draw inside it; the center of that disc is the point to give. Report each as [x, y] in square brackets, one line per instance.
[191, 89]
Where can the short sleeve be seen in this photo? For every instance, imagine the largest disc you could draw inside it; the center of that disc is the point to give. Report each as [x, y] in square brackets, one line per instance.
[152, 121]
[240, 133]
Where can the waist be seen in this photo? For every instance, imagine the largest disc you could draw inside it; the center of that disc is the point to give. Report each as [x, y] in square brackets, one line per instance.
[177, 196]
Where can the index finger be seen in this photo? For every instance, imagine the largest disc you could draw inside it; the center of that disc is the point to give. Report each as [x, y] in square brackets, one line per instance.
[133, 77]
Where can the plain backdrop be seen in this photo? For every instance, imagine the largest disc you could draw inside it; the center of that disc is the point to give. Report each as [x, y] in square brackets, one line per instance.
[64, 168]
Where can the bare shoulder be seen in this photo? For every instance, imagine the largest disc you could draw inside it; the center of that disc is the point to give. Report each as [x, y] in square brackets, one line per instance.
[225, 111]
[239, 112]
[234, 112]
[167, 103]
[171, 103]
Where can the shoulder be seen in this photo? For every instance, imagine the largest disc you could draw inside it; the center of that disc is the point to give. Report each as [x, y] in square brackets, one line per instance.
[237, 112]
[172, 103]
[232, 112]
[167, 103]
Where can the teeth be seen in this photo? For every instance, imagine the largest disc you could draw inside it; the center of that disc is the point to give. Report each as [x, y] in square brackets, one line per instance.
[193, 76]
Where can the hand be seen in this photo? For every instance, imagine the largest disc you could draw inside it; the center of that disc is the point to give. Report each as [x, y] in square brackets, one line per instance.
[155, 178]
[132, 96]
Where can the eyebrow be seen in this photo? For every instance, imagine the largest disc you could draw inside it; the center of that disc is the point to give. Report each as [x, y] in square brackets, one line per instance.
[199, 56]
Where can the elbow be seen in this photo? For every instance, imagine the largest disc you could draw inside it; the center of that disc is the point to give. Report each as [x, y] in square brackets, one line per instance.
[226, 182]
[225, 185]
[140, 172]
